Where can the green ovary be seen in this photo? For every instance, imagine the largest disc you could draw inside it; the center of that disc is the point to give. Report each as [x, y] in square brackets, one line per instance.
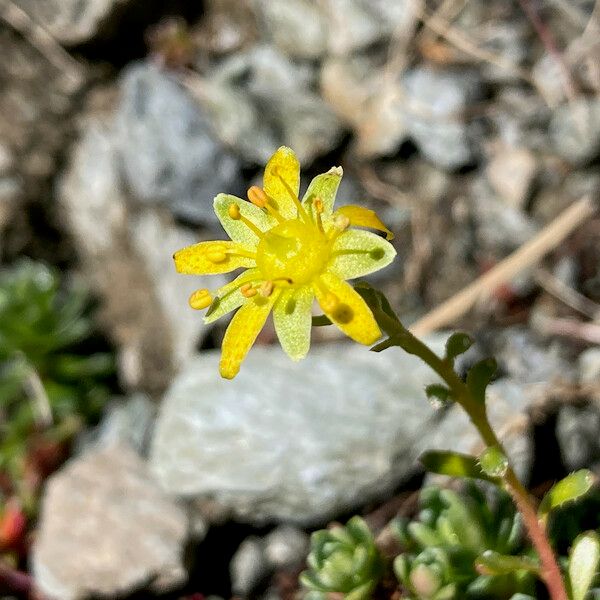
[294, 251]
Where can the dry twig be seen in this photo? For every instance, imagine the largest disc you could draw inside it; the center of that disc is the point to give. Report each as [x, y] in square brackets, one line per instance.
[526, 256]
[42, 41]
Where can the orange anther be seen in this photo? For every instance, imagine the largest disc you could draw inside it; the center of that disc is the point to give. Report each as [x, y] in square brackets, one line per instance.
[257, 196]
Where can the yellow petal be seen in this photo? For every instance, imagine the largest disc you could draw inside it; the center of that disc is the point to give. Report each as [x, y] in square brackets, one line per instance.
[283, 165]
[292, 317]
[364, 217]
[229, 297]
[346, 309]
[212, 257]
[323, 186]
[357, 253]
[242, 333]
[238, 230]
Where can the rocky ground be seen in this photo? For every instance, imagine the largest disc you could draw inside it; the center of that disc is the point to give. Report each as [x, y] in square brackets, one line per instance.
[469, 125]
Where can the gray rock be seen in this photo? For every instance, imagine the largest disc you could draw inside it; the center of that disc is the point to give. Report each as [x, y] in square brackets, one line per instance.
[295, 442]
[286, 547]
[575, 130]
[500, 227]
[577, 434]
[72, 21]
[107, 530]
[511, 172]
[356, 24]
[353, 86]
[128, 421]
[352, 26]
[262, 99]
[434, 107]
[144, 301]
[297, 27]
[248, 566]
[169, 152]
[589, 366]
[527, 360]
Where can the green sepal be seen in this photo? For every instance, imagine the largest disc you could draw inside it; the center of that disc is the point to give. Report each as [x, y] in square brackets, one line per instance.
[378, 303]
[584, 560]
[479, 377]
[454, 464]
[571, 488]
[321, 321]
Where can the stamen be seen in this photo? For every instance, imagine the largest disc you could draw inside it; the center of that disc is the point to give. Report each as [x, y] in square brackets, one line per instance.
[200, 299]
[248, 291]
[266, 288]
[341, 222]
[318, 205]
[242, 253]
[292, 195]
[236, 215]
[257, 196]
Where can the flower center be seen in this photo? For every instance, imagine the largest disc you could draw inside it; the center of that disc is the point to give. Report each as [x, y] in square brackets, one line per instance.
[294, 251]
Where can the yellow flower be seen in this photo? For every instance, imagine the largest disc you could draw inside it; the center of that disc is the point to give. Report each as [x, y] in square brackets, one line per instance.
[291, 251]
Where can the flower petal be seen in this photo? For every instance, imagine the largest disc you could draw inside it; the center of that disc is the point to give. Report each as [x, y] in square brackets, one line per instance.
[242, 333]
[324, 186]
[238, 231]
[208, 258]
[364, 217]
[350, 313]
[357, 253]
[229, 297]
[293, 317]
[283, 165]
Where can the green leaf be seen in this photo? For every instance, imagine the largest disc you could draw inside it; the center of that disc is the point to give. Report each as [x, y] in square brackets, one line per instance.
[436, 392]
[584, 560]
[480, 376]
[493, 563]
[377, 302]
[321, 321]
[454, 464]
[571, 488]
[493, 462]
[391, 341]
[458, 343]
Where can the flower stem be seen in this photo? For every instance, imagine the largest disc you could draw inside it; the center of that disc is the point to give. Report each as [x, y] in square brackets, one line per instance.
[477, 413]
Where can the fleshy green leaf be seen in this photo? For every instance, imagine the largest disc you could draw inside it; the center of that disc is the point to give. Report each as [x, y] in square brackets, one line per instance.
[436, 392]
[454, 464]
[572, 487]
[493, 462]
[479, 377]
[493, 563]
[584, 560]
[458, 343]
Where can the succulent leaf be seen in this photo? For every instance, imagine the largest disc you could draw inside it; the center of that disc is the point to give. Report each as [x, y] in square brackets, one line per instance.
[343, 560]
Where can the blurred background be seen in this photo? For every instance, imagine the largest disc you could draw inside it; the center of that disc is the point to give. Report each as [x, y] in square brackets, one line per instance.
[127, 467]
